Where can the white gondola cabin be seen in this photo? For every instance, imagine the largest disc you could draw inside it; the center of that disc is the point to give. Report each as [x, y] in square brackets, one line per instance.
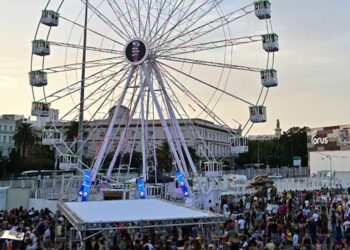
[213, 169]
[68, 161]
[262, 9]
[239, 145]
[258, 114]
[269, 78]
[41, 48]
[38, 78]
[270, 42]
[41, 109]
[51, 136]
[50, 18]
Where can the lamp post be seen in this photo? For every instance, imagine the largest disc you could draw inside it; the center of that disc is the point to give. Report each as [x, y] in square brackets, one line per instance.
[330, 170]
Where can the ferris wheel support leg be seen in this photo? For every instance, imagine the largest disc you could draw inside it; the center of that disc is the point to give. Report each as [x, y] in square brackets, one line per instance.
[107, 138]
[122, 138]
[177, 126]
[164, 124]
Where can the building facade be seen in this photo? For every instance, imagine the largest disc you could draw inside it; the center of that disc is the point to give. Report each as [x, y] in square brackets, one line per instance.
[329, 148]
[207, 138]
[7, 131]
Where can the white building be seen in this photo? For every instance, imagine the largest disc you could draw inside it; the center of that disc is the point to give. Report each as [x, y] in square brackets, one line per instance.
[277, 135]
[204, 136]
[7, 131]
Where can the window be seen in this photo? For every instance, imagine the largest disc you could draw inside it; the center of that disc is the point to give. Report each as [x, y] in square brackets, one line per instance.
[5, 127]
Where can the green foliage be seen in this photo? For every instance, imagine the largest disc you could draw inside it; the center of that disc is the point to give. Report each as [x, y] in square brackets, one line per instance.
[136, 160]
[15, 162]
[164, 157]
[42, 157]
[24, 138]
[72, 131]
[278, 152]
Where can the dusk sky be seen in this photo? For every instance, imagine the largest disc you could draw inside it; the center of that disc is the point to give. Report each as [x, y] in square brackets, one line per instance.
[313, 62]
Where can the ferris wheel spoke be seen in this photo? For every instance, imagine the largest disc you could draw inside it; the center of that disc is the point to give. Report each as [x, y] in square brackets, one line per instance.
[132, 19]
[147, 27]
[166, 33]
[206, 83]
[122, 15]
[66, 68]
[186, 17]
[209, 63]
[199, 47]
[195, 133]
[157, 20]
[162, 28]
[74, 87]
[119, 16]
[92, 31]
[197, 100]
[108, 22]
[92, 63]
[211, 26]
[96, 91]
[91, 48]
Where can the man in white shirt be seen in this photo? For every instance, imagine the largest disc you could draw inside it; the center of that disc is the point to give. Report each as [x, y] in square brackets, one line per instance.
[307, 203]
[295, 240]
[315, 216]
[241, 224]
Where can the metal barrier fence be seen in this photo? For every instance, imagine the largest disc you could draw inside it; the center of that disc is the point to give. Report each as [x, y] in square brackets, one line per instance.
[285, 172]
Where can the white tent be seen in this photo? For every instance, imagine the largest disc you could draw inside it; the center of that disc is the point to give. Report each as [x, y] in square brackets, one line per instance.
[101, 215]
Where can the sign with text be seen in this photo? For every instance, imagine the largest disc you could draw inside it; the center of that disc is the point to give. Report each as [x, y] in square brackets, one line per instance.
[329, 138]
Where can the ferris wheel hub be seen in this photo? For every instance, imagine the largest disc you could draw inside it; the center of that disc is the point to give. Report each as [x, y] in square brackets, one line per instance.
[136, 51]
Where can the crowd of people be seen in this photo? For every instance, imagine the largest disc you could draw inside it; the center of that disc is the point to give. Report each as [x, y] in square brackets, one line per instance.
[36, 228]
[302, 220]
[290, 220]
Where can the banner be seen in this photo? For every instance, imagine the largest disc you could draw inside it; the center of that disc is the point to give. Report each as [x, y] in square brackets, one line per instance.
[182, 183]
[329, 138]
[141, 188]
[85, 186]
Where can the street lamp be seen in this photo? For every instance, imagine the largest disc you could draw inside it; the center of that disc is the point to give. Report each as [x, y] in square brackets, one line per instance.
[330, 169]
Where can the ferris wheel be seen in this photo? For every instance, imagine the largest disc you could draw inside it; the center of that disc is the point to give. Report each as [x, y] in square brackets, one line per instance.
[127, 69]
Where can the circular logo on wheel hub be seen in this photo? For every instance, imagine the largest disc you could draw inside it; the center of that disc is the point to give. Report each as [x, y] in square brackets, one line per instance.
[136, 51]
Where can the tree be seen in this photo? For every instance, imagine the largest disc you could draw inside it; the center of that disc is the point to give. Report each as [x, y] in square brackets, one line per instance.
[195, 158]
[72, 131]
[277, 152]
[42, 157]
[24, 138]
[15, 162]
[164, 157]
[294, 143]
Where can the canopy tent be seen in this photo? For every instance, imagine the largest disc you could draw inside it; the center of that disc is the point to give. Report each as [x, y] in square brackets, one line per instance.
[123, 214]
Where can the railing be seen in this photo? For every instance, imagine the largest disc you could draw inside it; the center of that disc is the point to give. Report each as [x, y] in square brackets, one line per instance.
[284, 172]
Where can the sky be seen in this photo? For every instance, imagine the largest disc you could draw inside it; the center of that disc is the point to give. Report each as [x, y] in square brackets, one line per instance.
[313, 61]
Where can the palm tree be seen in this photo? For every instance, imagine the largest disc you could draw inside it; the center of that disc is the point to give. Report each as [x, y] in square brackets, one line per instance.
[164, 157]
[24, 138]
[41, 156]
[72, 131]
